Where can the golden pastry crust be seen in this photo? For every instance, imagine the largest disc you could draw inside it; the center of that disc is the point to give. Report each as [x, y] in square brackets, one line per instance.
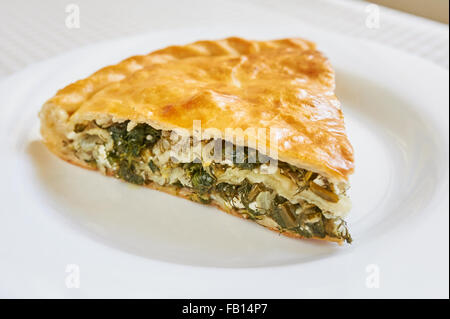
[230, 83]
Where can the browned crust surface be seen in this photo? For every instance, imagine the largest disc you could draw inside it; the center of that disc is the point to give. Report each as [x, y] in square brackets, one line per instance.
[282, 84]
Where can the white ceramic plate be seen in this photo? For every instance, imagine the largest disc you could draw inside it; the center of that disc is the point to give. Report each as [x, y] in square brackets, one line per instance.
[126, 241]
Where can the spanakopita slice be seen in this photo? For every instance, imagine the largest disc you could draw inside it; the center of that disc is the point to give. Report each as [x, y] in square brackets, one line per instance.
[251, 127]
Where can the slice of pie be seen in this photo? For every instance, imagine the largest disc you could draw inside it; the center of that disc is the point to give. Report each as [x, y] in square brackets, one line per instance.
[251, 127]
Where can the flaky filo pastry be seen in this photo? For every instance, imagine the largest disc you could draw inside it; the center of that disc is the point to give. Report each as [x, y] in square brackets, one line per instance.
[121, 121]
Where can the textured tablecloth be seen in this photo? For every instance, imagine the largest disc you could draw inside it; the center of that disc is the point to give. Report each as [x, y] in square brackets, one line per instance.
[35, 30]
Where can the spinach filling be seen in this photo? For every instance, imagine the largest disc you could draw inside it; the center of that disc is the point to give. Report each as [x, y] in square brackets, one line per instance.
[128, 146]
[309, 223]
[303, 218]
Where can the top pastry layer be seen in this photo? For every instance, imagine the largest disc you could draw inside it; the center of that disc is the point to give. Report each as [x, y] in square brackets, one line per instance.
[285, 86]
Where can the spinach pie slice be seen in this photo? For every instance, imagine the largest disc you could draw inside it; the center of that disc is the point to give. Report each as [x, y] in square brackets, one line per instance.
[251, 127]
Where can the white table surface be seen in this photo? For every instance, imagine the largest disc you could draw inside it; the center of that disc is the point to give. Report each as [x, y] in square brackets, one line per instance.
[32, 31]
